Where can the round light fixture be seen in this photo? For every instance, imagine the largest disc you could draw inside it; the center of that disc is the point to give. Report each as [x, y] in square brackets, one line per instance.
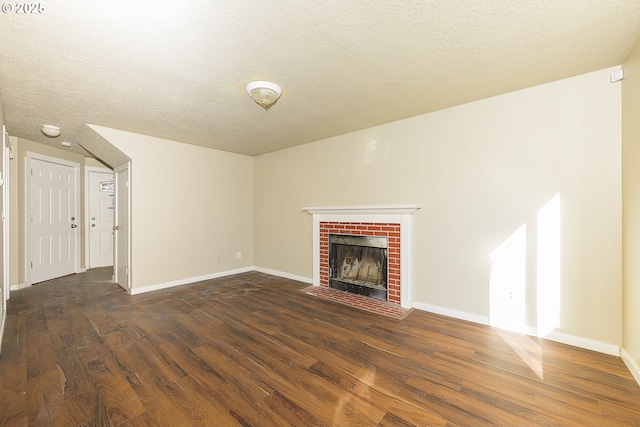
[51, 131]
[264, 93]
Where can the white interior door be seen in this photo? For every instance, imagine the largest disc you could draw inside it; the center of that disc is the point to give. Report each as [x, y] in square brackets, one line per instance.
[122, 234]
[100, 187]
[52, 218]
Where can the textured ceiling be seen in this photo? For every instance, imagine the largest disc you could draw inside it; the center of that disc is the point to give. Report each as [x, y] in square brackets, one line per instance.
[177, 70]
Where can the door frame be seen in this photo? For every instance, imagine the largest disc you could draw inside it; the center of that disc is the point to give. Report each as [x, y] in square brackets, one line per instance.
[6, 229]
[87, 227]
[118, 235]
[30, 155]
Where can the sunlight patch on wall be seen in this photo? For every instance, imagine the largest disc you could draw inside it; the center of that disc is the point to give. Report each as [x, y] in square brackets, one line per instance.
[548, 270]
[508, 285]
[508, 282]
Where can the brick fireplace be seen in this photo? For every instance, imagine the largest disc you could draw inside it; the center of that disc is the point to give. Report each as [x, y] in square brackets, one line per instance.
[394, 223]
[390, 231]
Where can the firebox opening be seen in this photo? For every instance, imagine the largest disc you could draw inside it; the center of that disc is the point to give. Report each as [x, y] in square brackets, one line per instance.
[358, 264]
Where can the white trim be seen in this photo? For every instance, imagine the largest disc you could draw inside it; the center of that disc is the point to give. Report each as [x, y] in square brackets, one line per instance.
[392, 214]
[633, 366]
[461, 315]
[19, 286]
[97, 169]
[302, 279]
[192, 280]
[363, 210]
[406, 259]
[599, 346]
[188, 281]
[87, 225]
[30, 155]
[51, 159]
[6, 220]
[116, 171]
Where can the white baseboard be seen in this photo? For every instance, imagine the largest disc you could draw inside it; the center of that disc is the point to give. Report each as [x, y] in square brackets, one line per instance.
[599, 346]
[18, 287]
[632, 365]
[188, 280]
[285, 275]
[483, 320]
[560, 337]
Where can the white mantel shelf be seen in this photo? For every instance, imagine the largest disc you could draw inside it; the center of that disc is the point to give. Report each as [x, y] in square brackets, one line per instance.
[401, 214]
[363, 210]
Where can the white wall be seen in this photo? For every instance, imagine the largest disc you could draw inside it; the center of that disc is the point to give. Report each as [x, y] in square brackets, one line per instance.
[2, 232]
[480, 171]
[631, 211]
[192, 209]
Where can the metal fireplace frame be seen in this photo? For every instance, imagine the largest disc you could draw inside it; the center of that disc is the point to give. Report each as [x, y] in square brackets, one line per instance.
[367, 288]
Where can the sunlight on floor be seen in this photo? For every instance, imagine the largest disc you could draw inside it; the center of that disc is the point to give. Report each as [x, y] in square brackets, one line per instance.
[528, 350]
[365, 380]
[508, 284]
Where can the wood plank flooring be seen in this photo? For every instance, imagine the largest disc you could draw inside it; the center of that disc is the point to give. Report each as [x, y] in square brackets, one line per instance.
[250, 350]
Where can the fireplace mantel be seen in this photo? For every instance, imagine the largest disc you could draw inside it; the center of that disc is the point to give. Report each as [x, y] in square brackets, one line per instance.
[364, 210]
[393, 214]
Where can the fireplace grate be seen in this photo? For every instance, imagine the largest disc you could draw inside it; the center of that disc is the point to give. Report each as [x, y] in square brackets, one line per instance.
[358, 264]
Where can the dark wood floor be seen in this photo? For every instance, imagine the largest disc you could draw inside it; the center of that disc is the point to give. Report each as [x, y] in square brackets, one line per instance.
[250, 350]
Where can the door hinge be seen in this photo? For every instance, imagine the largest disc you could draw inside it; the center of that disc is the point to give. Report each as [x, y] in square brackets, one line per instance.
[31, 264]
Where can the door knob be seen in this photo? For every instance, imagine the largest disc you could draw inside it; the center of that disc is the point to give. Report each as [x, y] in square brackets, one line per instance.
[115, 228]
[74, 226]
[93, 225]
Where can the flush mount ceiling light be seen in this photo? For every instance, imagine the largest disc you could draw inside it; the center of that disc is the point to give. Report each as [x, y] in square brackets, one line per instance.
[51, 131]
[264, 93]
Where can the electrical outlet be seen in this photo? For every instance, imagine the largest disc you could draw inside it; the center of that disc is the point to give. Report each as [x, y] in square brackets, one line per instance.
[238, 255]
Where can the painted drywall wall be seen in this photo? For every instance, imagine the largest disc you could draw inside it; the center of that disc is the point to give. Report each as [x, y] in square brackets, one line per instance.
[18, 262]
[543, 163]
[192, 209]
[631, 207]
[2, 232]
[88, 161]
